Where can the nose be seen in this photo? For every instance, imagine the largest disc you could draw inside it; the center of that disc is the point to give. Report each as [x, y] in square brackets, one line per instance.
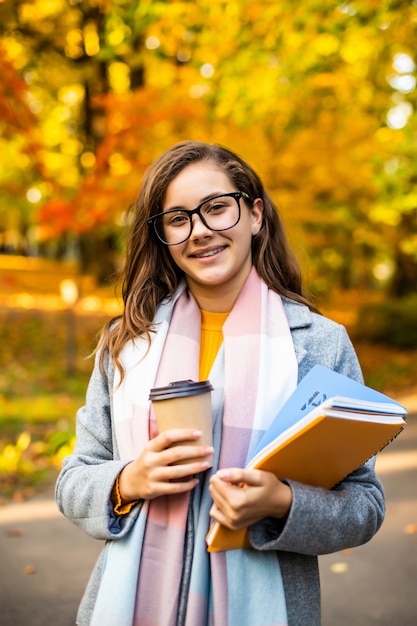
[198, 228]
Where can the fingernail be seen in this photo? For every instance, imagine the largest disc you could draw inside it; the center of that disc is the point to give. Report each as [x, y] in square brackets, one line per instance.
[210, 450]
[197, 433]
[223, 473]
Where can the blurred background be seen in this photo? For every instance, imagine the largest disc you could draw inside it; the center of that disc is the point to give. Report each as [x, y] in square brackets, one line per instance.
[320, 97]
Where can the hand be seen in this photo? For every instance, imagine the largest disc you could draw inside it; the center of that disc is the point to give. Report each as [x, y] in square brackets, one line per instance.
[242, 497]
[153, 474]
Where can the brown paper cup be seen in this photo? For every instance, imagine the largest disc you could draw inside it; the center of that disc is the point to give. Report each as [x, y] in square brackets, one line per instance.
[185, 404]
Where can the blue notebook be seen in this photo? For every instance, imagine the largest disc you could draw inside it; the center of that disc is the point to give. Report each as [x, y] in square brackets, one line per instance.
[323, 386]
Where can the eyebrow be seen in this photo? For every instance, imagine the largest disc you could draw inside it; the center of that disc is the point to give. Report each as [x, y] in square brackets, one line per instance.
[210, 196]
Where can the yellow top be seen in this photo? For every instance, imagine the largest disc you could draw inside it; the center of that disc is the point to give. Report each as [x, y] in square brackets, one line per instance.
[210, 342]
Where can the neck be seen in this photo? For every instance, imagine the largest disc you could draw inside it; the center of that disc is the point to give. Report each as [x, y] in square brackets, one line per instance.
[214, 303]
[216, 298]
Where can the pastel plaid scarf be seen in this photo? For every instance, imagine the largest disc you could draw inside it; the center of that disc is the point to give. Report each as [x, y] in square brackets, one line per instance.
[180, 583]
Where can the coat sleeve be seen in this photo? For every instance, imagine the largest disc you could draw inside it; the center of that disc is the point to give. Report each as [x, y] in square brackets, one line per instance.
[322, 521]
[87, 477]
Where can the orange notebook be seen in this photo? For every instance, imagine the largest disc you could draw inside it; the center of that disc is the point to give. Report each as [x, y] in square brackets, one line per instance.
[328, 428]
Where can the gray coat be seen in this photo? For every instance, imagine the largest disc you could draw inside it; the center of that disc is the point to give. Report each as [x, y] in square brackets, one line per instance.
[321, 521]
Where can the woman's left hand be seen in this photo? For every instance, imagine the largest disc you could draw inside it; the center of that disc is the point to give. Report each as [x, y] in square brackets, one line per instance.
[242, 497]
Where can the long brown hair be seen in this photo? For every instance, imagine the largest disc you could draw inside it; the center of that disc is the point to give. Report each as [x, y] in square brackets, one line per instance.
[149, 274]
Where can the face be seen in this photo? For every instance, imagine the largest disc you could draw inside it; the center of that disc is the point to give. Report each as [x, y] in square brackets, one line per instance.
[215, 264]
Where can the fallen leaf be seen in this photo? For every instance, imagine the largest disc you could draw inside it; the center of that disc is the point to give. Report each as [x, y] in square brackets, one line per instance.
[339, 568]
[18, 496]
[411, 529]
[15, 532]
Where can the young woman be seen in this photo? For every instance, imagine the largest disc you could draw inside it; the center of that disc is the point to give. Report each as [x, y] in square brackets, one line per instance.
[211, 291]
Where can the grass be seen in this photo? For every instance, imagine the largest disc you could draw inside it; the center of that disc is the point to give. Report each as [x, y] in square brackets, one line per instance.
[39, 398]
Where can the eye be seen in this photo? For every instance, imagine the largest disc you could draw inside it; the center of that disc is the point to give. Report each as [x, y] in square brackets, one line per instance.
[215, 206]
[176, 218]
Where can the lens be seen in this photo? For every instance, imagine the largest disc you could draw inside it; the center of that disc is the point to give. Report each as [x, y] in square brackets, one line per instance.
[173, 227]
[220, 213]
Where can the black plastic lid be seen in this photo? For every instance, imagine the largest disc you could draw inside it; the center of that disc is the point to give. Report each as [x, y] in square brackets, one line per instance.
[180, 389]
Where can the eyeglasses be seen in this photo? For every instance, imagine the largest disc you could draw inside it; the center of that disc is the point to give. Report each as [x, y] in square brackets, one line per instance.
[219, 213]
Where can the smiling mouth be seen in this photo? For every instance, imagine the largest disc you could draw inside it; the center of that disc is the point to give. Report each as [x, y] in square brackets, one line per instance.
[209, 253]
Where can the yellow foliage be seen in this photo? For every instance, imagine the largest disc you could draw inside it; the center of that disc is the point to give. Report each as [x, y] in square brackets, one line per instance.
[63, 452]
[359, 46]
[326, 44]
[409, 246]
[385, 214]
[12, 457]
[23, 441]
[9, 459]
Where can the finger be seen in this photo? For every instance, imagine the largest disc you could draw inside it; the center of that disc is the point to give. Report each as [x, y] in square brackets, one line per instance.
[174, 435]
[226, 496]
[227, 516]
[186, 454]
[240, 477]
[173, 487]
[217, 514]
[180, 471]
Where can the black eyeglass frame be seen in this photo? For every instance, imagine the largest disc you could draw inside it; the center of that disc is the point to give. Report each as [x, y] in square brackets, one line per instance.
[237, 195]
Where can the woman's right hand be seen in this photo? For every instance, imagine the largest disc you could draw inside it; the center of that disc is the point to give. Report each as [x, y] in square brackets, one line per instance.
[153, 474]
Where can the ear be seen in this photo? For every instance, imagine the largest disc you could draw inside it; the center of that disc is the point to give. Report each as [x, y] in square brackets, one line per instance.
[257, 215]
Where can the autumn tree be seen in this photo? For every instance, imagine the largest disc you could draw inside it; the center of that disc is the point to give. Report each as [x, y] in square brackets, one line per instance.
[319, 97]
[18, 146]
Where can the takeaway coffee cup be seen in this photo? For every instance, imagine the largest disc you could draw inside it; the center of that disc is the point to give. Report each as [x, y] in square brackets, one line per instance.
[185, 404]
